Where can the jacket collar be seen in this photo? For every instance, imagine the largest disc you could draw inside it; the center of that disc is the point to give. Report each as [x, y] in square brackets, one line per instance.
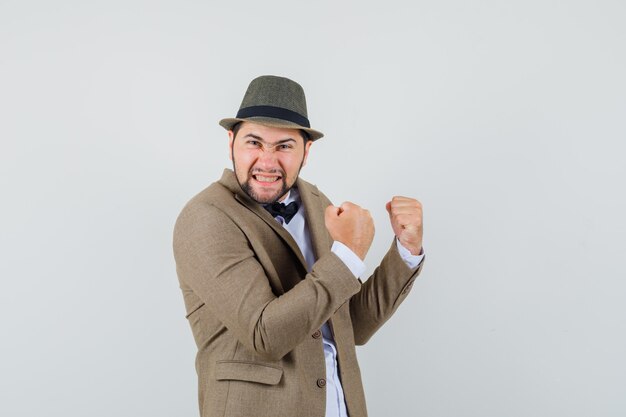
[314, 212]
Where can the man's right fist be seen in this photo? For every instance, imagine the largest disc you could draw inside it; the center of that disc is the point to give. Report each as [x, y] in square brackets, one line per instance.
[351, 225]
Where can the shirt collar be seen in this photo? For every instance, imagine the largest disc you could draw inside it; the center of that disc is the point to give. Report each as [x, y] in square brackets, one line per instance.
[292, 195]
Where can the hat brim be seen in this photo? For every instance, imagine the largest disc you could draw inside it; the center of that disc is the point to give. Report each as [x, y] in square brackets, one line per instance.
[271, 122]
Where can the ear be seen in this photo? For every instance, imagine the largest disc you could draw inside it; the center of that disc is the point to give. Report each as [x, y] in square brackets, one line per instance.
[306, 151]
[231, 138]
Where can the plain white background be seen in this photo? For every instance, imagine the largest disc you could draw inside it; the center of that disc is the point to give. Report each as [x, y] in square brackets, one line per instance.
[506, 119]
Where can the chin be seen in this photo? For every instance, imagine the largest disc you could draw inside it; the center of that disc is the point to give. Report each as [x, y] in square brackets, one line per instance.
[263, 197]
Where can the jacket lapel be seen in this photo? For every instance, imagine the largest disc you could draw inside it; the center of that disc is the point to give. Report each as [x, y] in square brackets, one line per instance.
[230, 181]
[314, 211]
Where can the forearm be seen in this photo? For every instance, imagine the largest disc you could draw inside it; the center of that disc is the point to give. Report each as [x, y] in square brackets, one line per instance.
[227, 276]
[287, 320]
[381, 294]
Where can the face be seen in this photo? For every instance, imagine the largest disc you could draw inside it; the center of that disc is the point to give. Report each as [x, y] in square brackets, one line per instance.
[267, 160]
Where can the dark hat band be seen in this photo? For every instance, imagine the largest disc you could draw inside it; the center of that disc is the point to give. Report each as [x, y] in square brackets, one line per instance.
[273, 112]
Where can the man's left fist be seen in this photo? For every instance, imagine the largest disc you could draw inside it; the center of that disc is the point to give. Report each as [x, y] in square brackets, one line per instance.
[406, 220]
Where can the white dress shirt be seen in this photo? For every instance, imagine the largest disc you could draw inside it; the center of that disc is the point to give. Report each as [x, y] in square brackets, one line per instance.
[297, 227]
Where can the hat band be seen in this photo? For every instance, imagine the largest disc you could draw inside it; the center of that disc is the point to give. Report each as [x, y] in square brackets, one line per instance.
[275, 113]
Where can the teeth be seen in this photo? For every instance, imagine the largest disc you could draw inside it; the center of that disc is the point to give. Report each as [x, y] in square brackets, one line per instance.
[266, 179]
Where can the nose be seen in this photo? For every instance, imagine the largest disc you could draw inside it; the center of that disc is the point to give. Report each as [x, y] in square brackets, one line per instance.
[267, 159]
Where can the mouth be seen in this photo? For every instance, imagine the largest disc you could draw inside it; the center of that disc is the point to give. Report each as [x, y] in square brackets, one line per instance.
[266, 179]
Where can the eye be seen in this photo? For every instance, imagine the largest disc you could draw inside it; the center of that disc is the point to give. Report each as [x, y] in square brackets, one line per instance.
[285, 146]
[253, 143]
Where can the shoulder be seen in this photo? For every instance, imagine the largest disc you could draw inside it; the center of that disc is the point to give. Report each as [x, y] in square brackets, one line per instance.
[206, 211]
[213, 195]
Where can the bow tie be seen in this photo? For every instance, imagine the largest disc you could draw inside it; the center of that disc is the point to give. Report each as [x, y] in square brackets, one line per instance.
[280, 209]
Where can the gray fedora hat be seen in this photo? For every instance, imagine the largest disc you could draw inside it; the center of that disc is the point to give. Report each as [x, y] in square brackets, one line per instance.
[276, 102]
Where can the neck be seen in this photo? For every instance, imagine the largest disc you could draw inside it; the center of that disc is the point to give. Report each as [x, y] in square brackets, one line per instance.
[284, 197]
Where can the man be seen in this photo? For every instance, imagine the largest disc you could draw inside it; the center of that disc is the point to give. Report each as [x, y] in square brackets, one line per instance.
[269, 271]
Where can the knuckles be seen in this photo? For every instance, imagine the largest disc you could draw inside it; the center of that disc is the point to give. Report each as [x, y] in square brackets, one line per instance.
[404, 203]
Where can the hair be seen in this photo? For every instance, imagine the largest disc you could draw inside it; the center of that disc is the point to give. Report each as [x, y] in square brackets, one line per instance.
[305, 135]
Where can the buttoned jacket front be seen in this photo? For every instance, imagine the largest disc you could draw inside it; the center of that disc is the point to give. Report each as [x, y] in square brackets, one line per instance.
[255, 312]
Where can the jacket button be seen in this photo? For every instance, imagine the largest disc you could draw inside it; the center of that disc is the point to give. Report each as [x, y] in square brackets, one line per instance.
[317, 334]
[321, 382]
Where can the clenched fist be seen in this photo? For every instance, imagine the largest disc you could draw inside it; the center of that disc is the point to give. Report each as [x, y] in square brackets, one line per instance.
[351, 225]
[406, 220]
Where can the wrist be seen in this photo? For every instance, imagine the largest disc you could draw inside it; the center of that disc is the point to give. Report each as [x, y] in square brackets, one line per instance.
[416, 252]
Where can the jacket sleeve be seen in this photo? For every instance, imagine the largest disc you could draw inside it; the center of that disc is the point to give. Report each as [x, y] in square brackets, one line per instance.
[380, 296]
[214, 258]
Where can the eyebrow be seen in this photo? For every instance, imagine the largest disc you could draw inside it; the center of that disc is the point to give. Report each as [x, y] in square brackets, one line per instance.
[259, 138]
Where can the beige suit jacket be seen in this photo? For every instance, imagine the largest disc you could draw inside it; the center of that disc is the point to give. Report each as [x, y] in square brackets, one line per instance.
[256, 313]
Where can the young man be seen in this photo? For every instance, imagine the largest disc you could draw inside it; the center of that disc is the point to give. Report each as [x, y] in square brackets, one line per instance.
[269, 271]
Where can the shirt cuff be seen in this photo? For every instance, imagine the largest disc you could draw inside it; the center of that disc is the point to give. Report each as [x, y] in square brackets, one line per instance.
[409, 259]
[352, 261]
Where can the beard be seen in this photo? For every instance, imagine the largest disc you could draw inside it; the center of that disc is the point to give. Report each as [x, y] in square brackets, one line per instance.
[248, 189]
